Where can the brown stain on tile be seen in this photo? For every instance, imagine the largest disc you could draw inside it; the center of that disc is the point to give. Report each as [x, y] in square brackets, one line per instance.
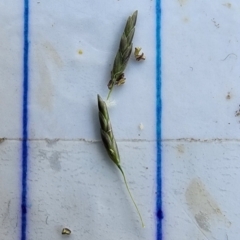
[54, 158]
[183, 2]
[204, 207]
[180, 148]
[54, 56]
[48, 61]
[228, 5]
[185, 20]
[45, 87]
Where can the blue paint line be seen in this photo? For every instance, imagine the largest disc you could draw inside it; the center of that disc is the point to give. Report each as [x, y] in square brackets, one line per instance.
[25, 122]
[158, 121]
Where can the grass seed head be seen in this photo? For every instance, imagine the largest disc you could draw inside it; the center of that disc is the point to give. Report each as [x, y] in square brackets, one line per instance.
[110, 144]
[107, 133]
[124, 52]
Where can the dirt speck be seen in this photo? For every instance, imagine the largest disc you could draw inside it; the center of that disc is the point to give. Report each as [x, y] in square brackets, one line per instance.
[215, 23]
[228, 97]
[80, 52]
[228, 5]
[237, 113]
[185, 20]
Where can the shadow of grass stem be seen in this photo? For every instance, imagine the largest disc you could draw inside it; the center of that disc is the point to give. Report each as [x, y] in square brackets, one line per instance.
[125, 181]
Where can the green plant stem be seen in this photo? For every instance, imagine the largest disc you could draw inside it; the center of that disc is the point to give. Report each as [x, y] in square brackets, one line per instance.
[125, 181]
[109, 93]
[110, 90]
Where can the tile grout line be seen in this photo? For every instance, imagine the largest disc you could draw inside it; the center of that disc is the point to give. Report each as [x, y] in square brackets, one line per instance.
[25, 121]
[159, 211]
[165, 140]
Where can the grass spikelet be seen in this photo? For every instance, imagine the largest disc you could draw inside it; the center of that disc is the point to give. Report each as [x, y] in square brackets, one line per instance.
[111, 145]
[123, 54]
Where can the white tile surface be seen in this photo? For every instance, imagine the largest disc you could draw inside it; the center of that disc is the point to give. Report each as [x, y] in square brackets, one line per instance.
[71, 182]
[10, 185]
[75, 185]
[11, 68]
[201, 194]
[65, 83]
[200, 127]
[200, 67]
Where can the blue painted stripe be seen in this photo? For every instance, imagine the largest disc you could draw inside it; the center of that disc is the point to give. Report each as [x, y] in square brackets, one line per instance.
[158, 120]
[25, 122]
